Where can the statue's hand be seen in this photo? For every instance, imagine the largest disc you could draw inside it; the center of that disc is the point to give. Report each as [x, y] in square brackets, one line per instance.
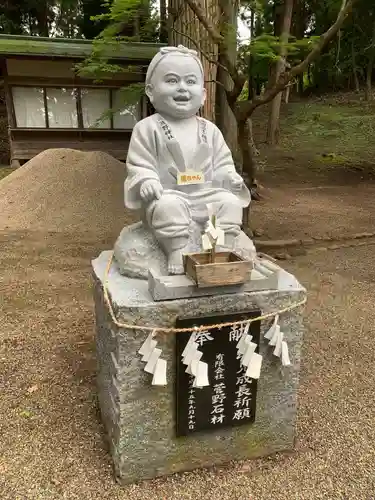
[151, 190]
[236, 181]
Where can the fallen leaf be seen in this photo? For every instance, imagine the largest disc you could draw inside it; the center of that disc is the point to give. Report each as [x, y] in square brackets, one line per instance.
[26, 414]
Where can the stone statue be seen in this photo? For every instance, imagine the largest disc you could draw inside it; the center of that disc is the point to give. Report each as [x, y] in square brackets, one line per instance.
[178, 163]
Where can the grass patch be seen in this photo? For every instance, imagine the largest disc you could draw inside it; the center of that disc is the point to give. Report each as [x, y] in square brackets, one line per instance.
[4, 171]
[331, 132]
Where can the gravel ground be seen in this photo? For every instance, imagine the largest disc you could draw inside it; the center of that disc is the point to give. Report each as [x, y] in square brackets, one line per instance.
[296, 211]
[65, 190]
[51, 444]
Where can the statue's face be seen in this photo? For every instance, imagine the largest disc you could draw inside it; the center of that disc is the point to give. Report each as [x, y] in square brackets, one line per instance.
[176, 88]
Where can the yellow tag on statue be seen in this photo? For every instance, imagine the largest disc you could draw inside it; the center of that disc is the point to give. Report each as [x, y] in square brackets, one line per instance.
[190, 177]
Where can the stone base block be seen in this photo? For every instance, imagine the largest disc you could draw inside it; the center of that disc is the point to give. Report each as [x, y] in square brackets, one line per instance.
[139, 418]
[264, 276]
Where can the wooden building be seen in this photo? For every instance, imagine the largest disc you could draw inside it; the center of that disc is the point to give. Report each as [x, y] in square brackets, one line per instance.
[50, 106]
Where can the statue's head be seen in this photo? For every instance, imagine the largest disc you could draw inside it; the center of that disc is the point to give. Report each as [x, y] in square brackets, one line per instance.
[175, 82]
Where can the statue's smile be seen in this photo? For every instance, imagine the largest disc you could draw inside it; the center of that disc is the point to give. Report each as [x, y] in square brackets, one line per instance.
[181, 98]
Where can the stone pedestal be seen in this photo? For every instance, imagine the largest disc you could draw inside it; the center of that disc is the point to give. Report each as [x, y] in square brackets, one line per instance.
[139, 417]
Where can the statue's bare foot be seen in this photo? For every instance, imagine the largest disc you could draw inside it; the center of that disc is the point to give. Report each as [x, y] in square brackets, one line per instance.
[176, 263]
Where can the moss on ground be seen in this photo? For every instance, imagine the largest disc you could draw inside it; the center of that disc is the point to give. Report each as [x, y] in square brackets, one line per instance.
[4, 171]
[333, 131]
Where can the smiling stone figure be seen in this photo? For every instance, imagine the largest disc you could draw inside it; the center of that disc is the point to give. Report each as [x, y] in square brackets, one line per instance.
[178, 163]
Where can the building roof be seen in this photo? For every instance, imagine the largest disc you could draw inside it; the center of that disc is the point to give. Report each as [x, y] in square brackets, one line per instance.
[35, 46]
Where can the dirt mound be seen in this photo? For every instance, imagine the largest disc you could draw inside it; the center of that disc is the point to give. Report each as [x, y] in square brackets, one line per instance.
[65, 190]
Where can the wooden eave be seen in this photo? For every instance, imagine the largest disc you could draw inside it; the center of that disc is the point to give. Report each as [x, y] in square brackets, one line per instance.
[33, 47]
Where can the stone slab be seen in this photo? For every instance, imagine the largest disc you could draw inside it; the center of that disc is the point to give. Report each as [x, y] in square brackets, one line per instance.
[136, 250]
[134, 292]
[178, 287]
[139, 417]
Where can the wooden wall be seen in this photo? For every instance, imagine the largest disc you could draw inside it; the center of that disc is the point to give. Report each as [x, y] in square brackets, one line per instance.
[185, 30]
[27, 143]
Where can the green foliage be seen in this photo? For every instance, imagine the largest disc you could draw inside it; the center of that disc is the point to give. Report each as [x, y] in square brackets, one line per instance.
[334, 131]
[311, 18]
[88, 25]
[4, 171]
[41, 18]
[131, 95]
[126, 21]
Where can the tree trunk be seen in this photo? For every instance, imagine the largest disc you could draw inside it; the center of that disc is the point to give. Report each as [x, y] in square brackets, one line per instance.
[251, 82]
[287, 94]
[163, 22]
[355, 71]
[42, 19]
[225, 118]
[370, 68]
[274, 118]
[248, 151]
[368, 92]
[300, 84]
[245, 142]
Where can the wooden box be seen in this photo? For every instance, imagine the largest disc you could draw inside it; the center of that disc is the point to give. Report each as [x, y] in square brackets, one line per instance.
[227, 269]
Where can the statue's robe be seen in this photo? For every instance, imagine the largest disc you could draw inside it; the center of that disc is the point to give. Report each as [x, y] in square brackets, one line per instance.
[155, 154]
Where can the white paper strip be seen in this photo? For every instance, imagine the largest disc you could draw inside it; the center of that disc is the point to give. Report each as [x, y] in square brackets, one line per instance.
[189, 342]
[192, 367]
[248, 354]
[275, 336]
[246, 341]
[211, 231]
[244, 333]
[285, 354]
[191, 354]
[151, 363]
[160, 373]
[270, 333]
[201, 379]
[220, 237]
[146, 344]
[277, 350]
[254, 368]
[151, 347]
[206, 242]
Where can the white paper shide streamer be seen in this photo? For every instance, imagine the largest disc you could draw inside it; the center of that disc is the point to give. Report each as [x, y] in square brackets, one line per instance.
[250, 359]
[156, 366]
[276, 339]
[191, 357]
[212, 235]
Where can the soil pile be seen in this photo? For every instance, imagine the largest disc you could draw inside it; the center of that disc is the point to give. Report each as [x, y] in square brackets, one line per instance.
[65, 190]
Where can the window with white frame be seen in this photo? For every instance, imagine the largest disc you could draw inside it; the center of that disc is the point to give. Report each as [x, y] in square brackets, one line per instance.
[62, 107]
[95, 104]
[72, 108]
[125, 116]
[29, 107]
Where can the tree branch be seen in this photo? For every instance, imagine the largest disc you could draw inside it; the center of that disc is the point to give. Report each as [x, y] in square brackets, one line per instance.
[246, 108]
[219, 40]
[199, 48]
[214, 33]
[215, 81]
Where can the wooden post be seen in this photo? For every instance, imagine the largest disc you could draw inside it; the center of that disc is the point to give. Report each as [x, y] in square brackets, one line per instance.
[11, 114]
[79, 108]
[110, 107]
[45, 100]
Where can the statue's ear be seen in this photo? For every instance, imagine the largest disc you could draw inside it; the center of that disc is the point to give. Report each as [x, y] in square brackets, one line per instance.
[204, 96]
[149, 92]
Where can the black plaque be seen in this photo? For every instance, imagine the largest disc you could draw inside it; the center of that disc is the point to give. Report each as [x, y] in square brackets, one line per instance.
[230, 399]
